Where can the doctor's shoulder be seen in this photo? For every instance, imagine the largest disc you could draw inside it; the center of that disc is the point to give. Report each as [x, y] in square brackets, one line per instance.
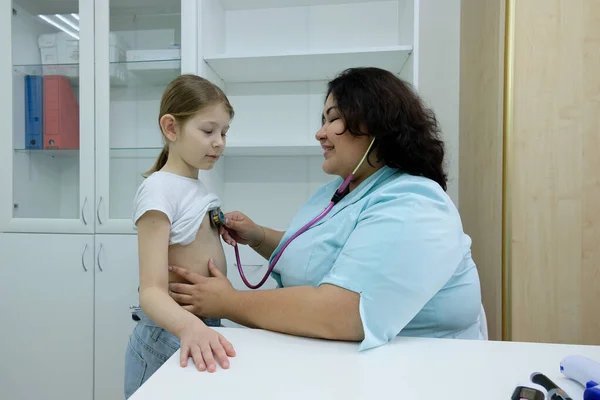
[412, 193]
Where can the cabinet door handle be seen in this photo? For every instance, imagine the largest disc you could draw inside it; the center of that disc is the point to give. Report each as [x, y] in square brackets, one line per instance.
[83, 257]
[98, 211]
[83, 211]
[98, 258]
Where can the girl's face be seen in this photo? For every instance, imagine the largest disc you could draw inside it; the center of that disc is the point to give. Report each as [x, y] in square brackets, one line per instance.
[341, 150]
[200, 141]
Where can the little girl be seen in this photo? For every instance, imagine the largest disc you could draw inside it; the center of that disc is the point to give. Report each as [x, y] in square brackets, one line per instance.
[171, 215]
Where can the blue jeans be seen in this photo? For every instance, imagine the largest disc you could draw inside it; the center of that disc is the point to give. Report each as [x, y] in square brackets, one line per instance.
[148, 349]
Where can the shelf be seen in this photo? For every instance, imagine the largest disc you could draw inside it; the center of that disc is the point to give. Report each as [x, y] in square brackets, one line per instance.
[232, 150]
[273, 150]
[129, 153]
[47, 151]
[256, 4]
[54, 153]
[39, 69]
[149, 72]
[305, 66]
[169, 63]
[70, 71]
[135, 152]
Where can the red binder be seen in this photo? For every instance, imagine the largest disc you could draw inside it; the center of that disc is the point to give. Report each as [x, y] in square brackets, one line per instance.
[61, 114]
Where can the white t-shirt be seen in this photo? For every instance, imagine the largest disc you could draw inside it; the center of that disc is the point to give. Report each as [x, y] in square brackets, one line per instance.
[184, 200]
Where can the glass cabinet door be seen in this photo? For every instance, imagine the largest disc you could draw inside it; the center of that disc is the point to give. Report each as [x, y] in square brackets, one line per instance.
[48, 114]
[138, 52]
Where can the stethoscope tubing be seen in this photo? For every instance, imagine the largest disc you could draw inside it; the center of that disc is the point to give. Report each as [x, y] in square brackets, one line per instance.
[274, 262]
[337, 196]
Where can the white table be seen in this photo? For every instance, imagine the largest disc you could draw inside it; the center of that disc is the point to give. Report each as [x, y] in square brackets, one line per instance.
[275, 366]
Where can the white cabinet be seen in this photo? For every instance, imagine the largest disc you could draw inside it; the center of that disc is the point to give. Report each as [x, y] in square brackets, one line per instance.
[116, 283]
[47, 162]
[47, 298]
[84, 107]
[69, 331]
[65, 314]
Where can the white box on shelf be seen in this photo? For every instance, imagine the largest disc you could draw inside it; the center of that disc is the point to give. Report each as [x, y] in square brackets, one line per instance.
[61, 48]
[57, 49]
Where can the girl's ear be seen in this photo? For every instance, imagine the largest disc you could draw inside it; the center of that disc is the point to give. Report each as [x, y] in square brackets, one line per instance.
[168, 124]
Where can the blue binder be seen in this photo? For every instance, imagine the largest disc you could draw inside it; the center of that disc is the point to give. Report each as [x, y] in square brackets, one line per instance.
[34, 106]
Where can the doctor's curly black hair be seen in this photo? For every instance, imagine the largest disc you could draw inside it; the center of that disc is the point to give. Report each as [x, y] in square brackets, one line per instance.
[407, 134]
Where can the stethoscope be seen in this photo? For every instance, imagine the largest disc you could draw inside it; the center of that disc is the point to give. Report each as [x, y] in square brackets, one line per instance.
[217, 219]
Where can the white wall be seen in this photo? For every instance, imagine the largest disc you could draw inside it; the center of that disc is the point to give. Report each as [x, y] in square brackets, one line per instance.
[340, 26]
[439, 65]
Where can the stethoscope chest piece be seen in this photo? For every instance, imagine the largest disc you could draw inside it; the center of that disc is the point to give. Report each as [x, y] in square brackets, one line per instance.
[217, 218]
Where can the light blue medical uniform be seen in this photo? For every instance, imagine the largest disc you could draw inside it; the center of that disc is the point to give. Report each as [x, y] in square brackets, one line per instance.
[397, 240]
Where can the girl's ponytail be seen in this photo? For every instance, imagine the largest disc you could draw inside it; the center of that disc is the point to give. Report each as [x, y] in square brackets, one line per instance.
[159, 163]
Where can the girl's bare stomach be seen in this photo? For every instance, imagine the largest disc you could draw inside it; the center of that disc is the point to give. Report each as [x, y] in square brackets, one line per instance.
[195, 255]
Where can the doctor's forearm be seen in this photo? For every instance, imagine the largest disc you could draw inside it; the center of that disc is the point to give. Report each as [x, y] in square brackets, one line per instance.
[301, 311]
[269, 243]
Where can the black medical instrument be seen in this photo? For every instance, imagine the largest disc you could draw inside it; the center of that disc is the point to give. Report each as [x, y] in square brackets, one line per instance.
[523, 392]
[554, 391]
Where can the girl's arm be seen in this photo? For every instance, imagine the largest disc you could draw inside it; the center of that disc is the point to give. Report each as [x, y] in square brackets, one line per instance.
[153, 246]
[197, 340]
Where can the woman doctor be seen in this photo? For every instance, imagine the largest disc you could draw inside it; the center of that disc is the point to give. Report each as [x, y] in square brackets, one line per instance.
[389, 259]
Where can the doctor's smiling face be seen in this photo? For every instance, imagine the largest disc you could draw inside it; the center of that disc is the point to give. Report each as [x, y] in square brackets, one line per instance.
[369, 103]
[342, 151]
